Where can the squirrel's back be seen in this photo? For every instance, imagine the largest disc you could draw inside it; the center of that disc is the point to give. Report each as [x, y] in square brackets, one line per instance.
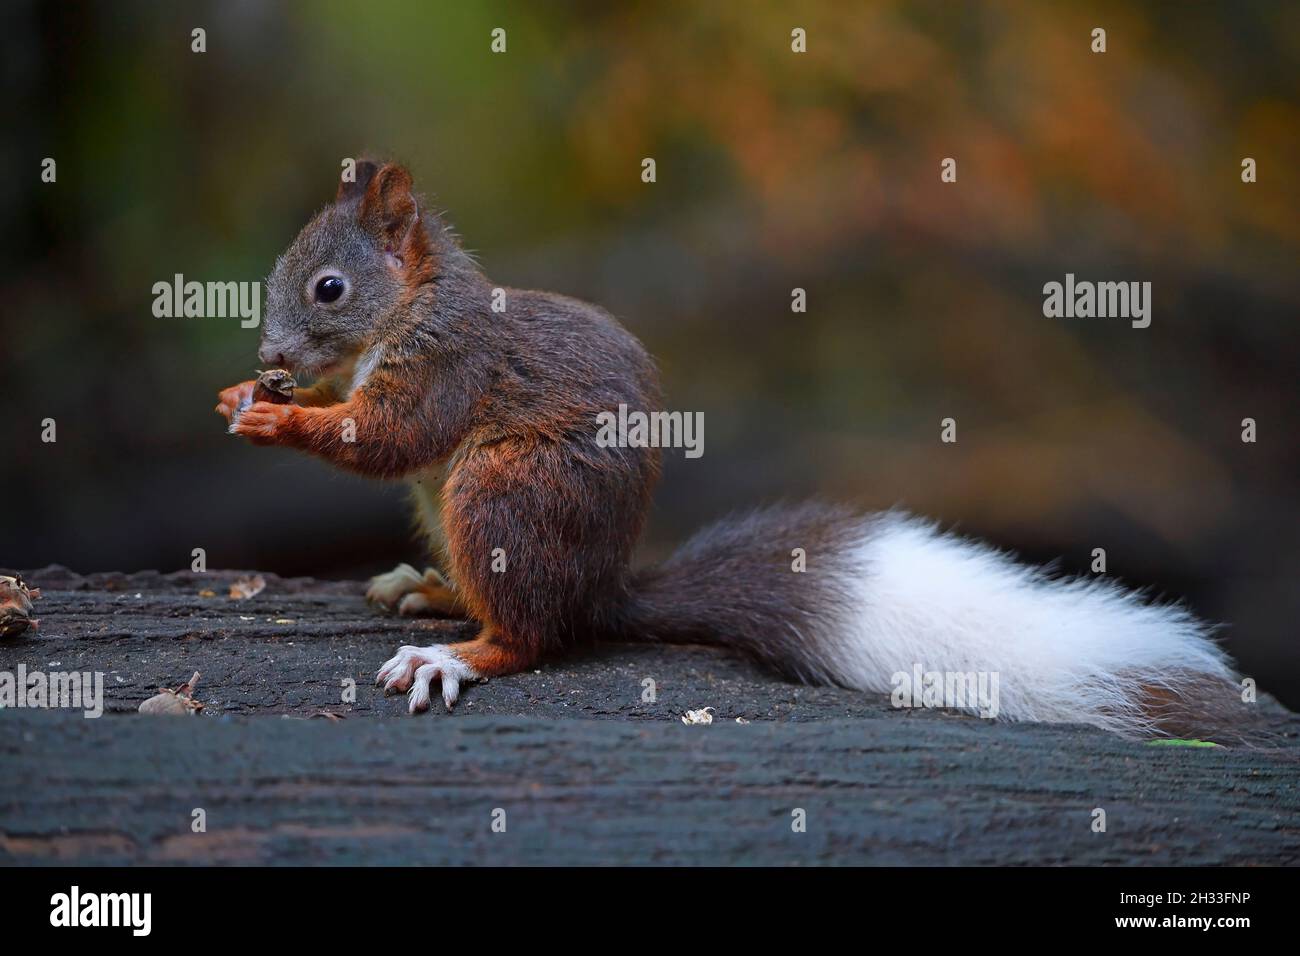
[562, 362]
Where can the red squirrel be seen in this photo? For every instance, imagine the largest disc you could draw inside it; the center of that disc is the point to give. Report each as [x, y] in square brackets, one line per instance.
[419, 377]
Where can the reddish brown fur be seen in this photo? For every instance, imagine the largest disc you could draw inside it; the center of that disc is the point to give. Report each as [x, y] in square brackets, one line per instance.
[442, 599]
[512, 400]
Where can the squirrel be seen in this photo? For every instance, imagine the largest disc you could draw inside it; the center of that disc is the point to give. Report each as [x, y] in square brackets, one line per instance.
[418, 377]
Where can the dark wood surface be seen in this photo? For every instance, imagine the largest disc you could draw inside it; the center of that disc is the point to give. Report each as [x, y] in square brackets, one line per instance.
[585, 769]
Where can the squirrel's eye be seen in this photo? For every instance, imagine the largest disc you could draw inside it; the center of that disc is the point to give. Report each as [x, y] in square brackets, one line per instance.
[329, 288]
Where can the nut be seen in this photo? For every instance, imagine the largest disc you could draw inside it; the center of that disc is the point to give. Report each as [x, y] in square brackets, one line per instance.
[172, 702]
[274, 385]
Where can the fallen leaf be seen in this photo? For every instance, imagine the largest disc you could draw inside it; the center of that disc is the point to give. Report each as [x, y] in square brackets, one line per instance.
[16, 606]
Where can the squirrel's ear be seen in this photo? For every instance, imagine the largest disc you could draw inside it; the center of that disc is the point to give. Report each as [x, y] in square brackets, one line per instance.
[351, 188]
[388, 208]
[390, 213]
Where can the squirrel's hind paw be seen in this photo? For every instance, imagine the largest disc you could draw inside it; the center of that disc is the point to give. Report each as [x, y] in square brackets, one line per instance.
[418, 667]
[387, 589]
[413, 594]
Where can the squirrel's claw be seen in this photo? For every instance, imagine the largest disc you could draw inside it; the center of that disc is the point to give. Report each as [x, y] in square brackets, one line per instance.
[417, 667]
[230, 401]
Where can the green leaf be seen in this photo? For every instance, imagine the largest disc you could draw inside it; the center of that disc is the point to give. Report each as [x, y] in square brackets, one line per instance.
[1176, 742]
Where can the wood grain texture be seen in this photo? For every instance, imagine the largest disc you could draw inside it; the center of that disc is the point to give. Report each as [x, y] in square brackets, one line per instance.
[586, 771]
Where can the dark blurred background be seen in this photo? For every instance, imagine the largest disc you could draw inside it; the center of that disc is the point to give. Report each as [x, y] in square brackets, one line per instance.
[775, 170]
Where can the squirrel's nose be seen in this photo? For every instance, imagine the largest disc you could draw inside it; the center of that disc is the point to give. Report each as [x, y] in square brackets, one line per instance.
[274, 359]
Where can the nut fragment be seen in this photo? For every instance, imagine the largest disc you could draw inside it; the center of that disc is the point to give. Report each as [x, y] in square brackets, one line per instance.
[243, 588]
[178, 701]
[274, 385]
[702, 716]
[16, 606]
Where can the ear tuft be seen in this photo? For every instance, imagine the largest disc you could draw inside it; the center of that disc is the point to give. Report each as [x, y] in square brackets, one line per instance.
[352, 188]
[388, 208]
[390, 212]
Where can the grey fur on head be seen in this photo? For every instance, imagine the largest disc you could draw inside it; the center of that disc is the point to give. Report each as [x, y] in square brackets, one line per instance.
[355, 239]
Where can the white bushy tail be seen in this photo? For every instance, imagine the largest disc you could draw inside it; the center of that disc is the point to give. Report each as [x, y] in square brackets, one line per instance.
[1075, 651]
[889, 595]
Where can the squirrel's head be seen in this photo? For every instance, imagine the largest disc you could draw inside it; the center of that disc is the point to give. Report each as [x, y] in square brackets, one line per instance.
[350, 272]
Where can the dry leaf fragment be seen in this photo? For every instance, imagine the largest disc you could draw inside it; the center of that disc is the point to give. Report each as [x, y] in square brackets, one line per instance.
[702, 716]
[244, 588]
[178, 701]
[16, 606]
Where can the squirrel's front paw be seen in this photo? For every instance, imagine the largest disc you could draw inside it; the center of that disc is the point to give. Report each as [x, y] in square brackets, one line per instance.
[264, 423]
[231, 401]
